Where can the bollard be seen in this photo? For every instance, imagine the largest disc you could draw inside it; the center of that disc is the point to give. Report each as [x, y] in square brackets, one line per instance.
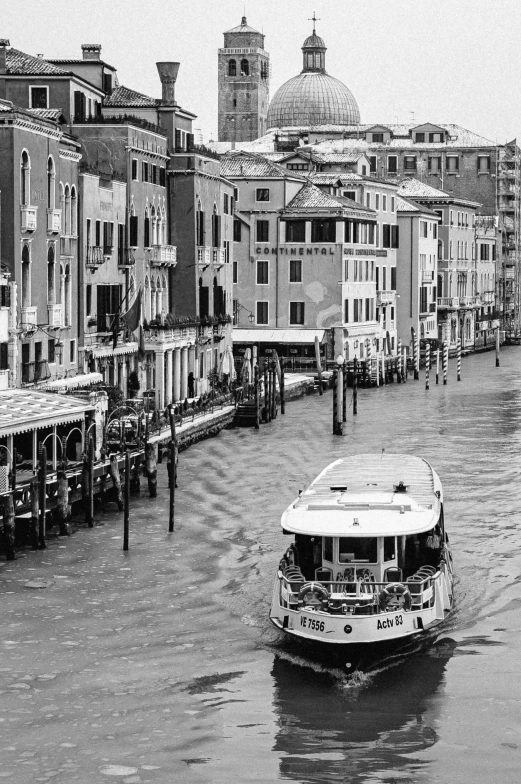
[151, 469]
[445, 362]
[126, 500]
[458, 360]
[319, 366]
[427, 365]
[497, 346]
[62, 503]
[43, 497]
[116, 481]
[355, 387]
[437, 366]
[34, 512]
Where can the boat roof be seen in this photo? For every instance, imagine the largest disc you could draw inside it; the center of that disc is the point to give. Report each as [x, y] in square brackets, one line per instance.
[368, 495]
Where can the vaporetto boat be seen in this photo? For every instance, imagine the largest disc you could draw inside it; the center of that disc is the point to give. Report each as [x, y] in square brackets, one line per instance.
[370, 564]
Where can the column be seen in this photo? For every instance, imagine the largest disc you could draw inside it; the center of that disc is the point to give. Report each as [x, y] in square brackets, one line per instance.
[35, 449]
[168, 388]
[124, 377]
[55, 448]
[184, 372]
[160, 380]
[177, 374]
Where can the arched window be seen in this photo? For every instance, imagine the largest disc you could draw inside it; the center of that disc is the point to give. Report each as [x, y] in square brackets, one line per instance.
[154, 226]
[74, 212]
[51, 184]
[153, 303]
[164, 286]
[147, 299]
[26, 277]
[67, 296]
[440, 285]
[67, 213]
[25, 179]
[232, 68]
[50, 275]
[147, 228]
[245, 67]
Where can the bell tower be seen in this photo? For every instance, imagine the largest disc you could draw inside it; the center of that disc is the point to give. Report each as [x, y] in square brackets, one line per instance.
[244, 76]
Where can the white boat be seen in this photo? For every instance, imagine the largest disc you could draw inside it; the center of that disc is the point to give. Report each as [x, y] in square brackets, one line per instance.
[370, 565]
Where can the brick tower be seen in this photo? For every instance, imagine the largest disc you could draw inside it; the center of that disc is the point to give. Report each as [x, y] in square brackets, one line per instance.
[243, 85]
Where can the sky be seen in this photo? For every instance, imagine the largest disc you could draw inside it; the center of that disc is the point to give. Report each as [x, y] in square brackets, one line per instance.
[449, 61]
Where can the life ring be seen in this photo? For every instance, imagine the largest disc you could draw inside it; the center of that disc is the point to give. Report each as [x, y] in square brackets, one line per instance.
[395, 589]
[320, 594]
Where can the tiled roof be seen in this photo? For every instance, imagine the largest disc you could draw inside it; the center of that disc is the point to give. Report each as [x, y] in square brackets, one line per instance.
[335, 157]
[242, 28]
[311, 197]
[124, 96]
[401, 138]
[244, 164]
[18, 64]
[412, 188]
[49, 114]
[5, 106]
[324, 179]
[407, 205]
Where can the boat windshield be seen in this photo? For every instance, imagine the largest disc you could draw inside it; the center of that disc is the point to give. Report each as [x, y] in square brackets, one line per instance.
[360, 549]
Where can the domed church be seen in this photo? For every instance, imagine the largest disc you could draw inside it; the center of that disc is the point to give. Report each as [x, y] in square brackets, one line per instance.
[313, 97]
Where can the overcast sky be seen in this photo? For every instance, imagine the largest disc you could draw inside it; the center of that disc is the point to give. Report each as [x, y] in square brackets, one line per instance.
[443, 60]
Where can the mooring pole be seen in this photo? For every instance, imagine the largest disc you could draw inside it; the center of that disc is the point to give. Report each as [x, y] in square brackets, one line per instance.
[43, 499]
[335, 402]
[445, 362]
[282, 388]
[126, 498]
[427, 365]
[437, 365]
[344, 392]
[458, 359]
[355, 386]
[173, 463]
[319, 366]
[497, 346]
[256, 396]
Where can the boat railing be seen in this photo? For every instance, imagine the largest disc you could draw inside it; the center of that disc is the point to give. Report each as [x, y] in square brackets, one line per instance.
[361, 597]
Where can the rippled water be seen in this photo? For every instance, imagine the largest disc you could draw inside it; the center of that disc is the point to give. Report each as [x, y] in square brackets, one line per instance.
[160, 665]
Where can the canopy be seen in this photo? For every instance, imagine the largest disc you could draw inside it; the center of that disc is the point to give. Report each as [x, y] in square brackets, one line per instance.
[22, 410]
[287, 336]
[73, 382]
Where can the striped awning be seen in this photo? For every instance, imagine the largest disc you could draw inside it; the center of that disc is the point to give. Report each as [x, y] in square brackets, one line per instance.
[22, 410]
[286, 336]
[74, 382]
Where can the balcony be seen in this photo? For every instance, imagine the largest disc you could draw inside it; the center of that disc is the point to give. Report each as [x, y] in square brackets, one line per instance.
[67, 246]
[108, 250]
[29, 317]
[105, 322]
[218, 256]
[54, 221]
[163, 255]
[487, 297]
[126, 257]
[29, 218]
[448, 303]
[94, 256]
[55, 315]
[385, 297]
[427, 276]
[204, 256]
[32, 372]
[466, 302]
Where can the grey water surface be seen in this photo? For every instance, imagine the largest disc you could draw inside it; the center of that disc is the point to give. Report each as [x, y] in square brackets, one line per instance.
[160, 665]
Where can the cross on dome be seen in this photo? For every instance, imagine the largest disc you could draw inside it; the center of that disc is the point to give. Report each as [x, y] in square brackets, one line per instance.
[314, 19]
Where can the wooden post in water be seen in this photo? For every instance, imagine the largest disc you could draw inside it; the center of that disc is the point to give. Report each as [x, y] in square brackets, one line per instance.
[497, 346]
[265, 374]
[62, 502]
[43, 498]
[151, 470]
[9, 527]
[445, 362]
[367, 365]
[344, 392]
[404, 365]
[173, 462]
[427, 365]
[126, 497]
[384, 379]
[116, 480]
[319, 366]
[90, 501]
[256, 397]
[458, 359]
[335, 402]
[438, 365]
[339, 384]
[355, 386]
[268, 398]
[415, 357]
[282, 388]
[34, 512]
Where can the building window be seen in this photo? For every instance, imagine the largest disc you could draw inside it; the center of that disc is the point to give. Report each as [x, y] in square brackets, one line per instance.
[452, 163]
[263, 231]
[392, 204]
[295, 270]
[38, 97]
[435, 138]
[377, 201]
[262, 313]
[295, 231]
[323, 230]
[483, 164]
[296, 313]
[263, 273]
[51, 184]
[368, 200]
[423, 228]
[72, 351]
[225, 204]
[378, 138]
[350, 195]
[419, 138]
[134, 168]
[262, 194]
[245, 67]
[298, 166]
[144, 171]
[234, 273]
[50, 275]
[384, 203]
[434, 163]
[409, 163]
[232, 68]
[25, 180]
[392, 164]
[237, 227]
[373, 162]
[51, 350]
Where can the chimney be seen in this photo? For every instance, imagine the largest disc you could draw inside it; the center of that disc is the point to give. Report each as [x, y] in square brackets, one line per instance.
[4, 43]
[168, 75]
[91, 51]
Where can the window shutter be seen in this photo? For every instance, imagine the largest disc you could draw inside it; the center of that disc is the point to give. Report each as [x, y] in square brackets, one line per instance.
[4, 356]
[386, 235]
[393, 278]
[189, 142]
[177, 140]
[395, 234]
[147, 233]
[133, 231]
[79, 106]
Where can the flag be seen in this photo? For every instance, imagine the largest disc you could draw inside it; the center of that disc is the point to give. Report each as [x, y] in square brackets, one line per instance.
[141, 344]
[132, 317]
[115, 330]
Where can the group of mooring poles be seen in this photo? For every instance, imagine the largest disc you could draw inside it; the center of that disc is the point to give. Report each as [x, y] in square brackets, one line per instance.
[265, 395]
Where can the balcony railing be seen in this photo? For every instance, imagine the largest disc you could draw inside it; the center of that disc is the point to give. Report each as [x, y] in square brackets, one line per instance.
[54, 221]
[33, 372]
[29, 218]
[203, 255]
[105, 321]
[383, 297]
[163, 255]
[448, 303]
[218, 255]
[126, 257]
[29, 317]
[465, 301]
[488, 297]
[68, 246]
[55, 315]
[108, 250]
[95, 256]
[427, 276]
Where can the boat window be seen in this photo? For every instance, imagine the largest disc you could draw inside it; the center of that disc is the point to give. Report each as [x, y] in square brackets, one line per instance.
[328, 549]
[389, 548]
[361, 549]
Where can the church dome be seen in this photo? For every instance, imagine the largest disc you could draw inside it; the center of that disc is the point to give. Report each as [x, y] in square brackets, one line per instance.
[313, 97]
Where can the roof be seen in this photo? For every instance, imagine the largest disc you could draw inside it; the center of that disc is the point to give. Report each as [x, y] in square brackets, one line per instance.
[246, 164]
[22, 410]
[457, 136]
[325, 178]
[242, 28]
[311, 197]
[334, 157]
[49, 114]
[124, 97]
[312, 98]
[416, 189]
[18, 64]
[287, 336]
[314, 41]
[407, 205]
[79, 61]
[356, 496]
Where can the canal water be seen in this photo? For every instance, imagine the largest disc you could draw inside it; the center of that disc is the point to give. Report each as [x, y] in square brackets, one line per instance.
[160, 664]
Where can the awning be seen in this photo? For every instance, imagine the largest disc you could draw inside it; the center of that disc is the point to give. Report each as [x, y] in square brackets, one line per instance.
[73, 382]
[287, 336]
[22, 410]
[108, 351]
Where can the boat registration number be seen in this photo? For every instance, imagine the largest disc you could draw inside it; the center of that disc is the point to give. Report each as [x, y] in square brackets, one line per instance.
[312, 623]
[389, 622]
